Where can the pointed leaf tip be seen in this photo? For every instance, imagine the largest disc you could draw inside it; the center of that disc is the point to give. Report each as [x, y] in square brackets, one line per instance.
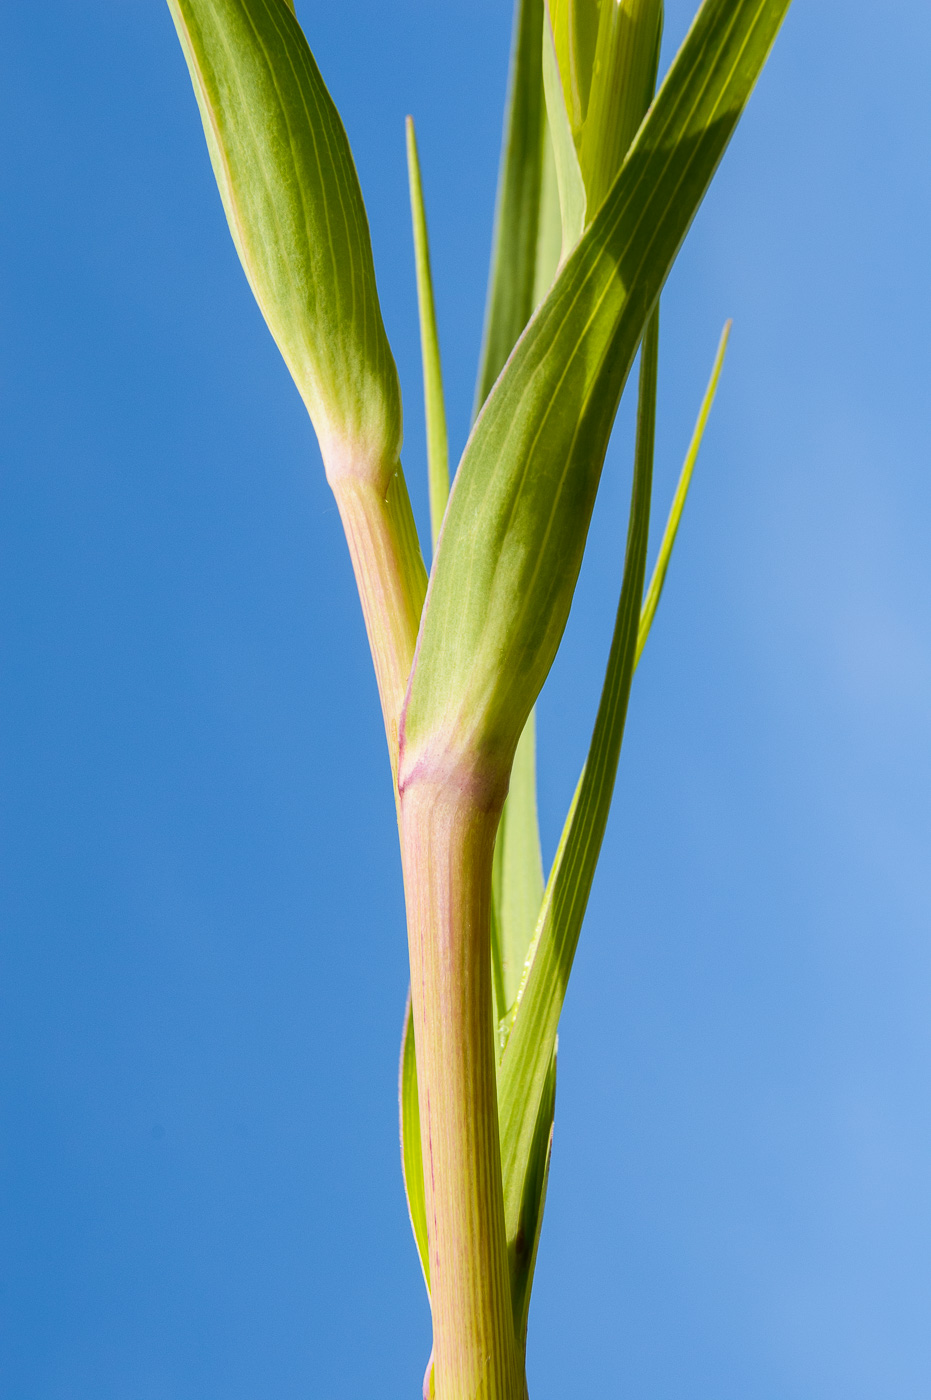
[292, 199]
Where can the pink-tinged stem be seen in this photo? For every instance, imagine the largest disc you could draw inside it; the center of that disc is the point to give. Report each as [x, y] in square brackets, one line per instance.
[447, 840]
[379, 525]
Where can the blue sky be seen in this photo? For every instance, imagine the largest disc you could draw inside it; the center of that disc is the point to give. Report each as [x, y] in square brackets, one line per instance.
[202, 958]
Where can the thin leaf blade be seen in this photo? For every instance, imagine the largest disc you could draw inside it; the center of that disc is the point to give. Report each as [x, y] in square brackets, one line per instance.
[434, 402]
[512, 277]
[525, 1241]
[570, 184]
[411, 1153]
[658, 578]
[523, 1074]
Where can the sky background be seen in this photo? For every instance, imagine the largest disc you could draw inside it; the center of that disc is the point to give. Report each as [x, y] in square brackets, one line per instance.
[202, 949]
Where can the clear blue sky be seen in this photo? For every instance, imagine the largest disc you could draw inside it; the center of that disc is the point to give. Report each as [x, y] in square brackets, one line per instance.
[202, 955]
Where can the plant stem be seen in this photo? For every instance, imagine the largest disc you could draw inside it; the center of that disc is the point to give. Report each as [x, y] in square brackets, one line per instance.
[379, 525]
[448, 839]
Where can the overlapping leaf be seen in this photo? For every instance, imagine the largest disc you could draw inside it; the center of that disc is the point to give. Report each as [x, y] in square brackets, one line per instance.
[524, 260]
[531, 1033]
[518, 515]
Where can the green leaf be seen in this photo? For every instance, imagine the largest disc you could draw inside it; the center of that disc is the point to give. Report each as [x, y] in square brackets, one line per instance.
[512, 279]
[566, 896]
[524, 260]
[517, 519]
[525, 1240]
[549, 224]
[522, 1079]
[517, 878]
[623, 81]
[434, 404]
[525, 257]
[289, 187]
[575, 34]
[411, 1158]
[654, 592]
[571, 186]
[292, 199]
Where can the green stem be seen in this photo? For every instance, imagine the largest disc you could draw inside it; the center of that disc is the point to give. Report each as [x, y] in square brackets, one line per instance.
[379, 525]
[448, 834]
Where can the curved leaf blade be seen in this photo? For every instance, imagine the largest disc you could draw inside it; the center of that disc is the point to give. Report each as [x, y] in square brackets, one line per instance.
[518, 515]
[291, 195]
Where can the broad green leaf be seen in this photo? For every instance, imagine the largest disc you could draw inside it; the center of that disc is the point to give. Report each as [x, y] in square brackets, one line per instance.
[517, 519]
[411, 1159]
[512, 279]
[434, 404]
[654, 592]
[522, 1079]
[292, 199]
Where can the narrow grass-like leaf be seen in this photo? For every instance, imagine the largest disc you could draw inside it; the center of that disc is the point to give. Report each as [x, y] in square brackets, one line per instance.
[524, 260]
[512, 279]
[523, 1244]
[411, 1158]
[434, 403]
[651, 602]
[530, 1045]
[515, 528]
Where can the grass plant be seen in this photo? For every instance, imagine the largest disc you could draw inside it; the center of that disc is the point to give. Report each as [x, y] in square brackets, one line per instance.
[601, 176]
